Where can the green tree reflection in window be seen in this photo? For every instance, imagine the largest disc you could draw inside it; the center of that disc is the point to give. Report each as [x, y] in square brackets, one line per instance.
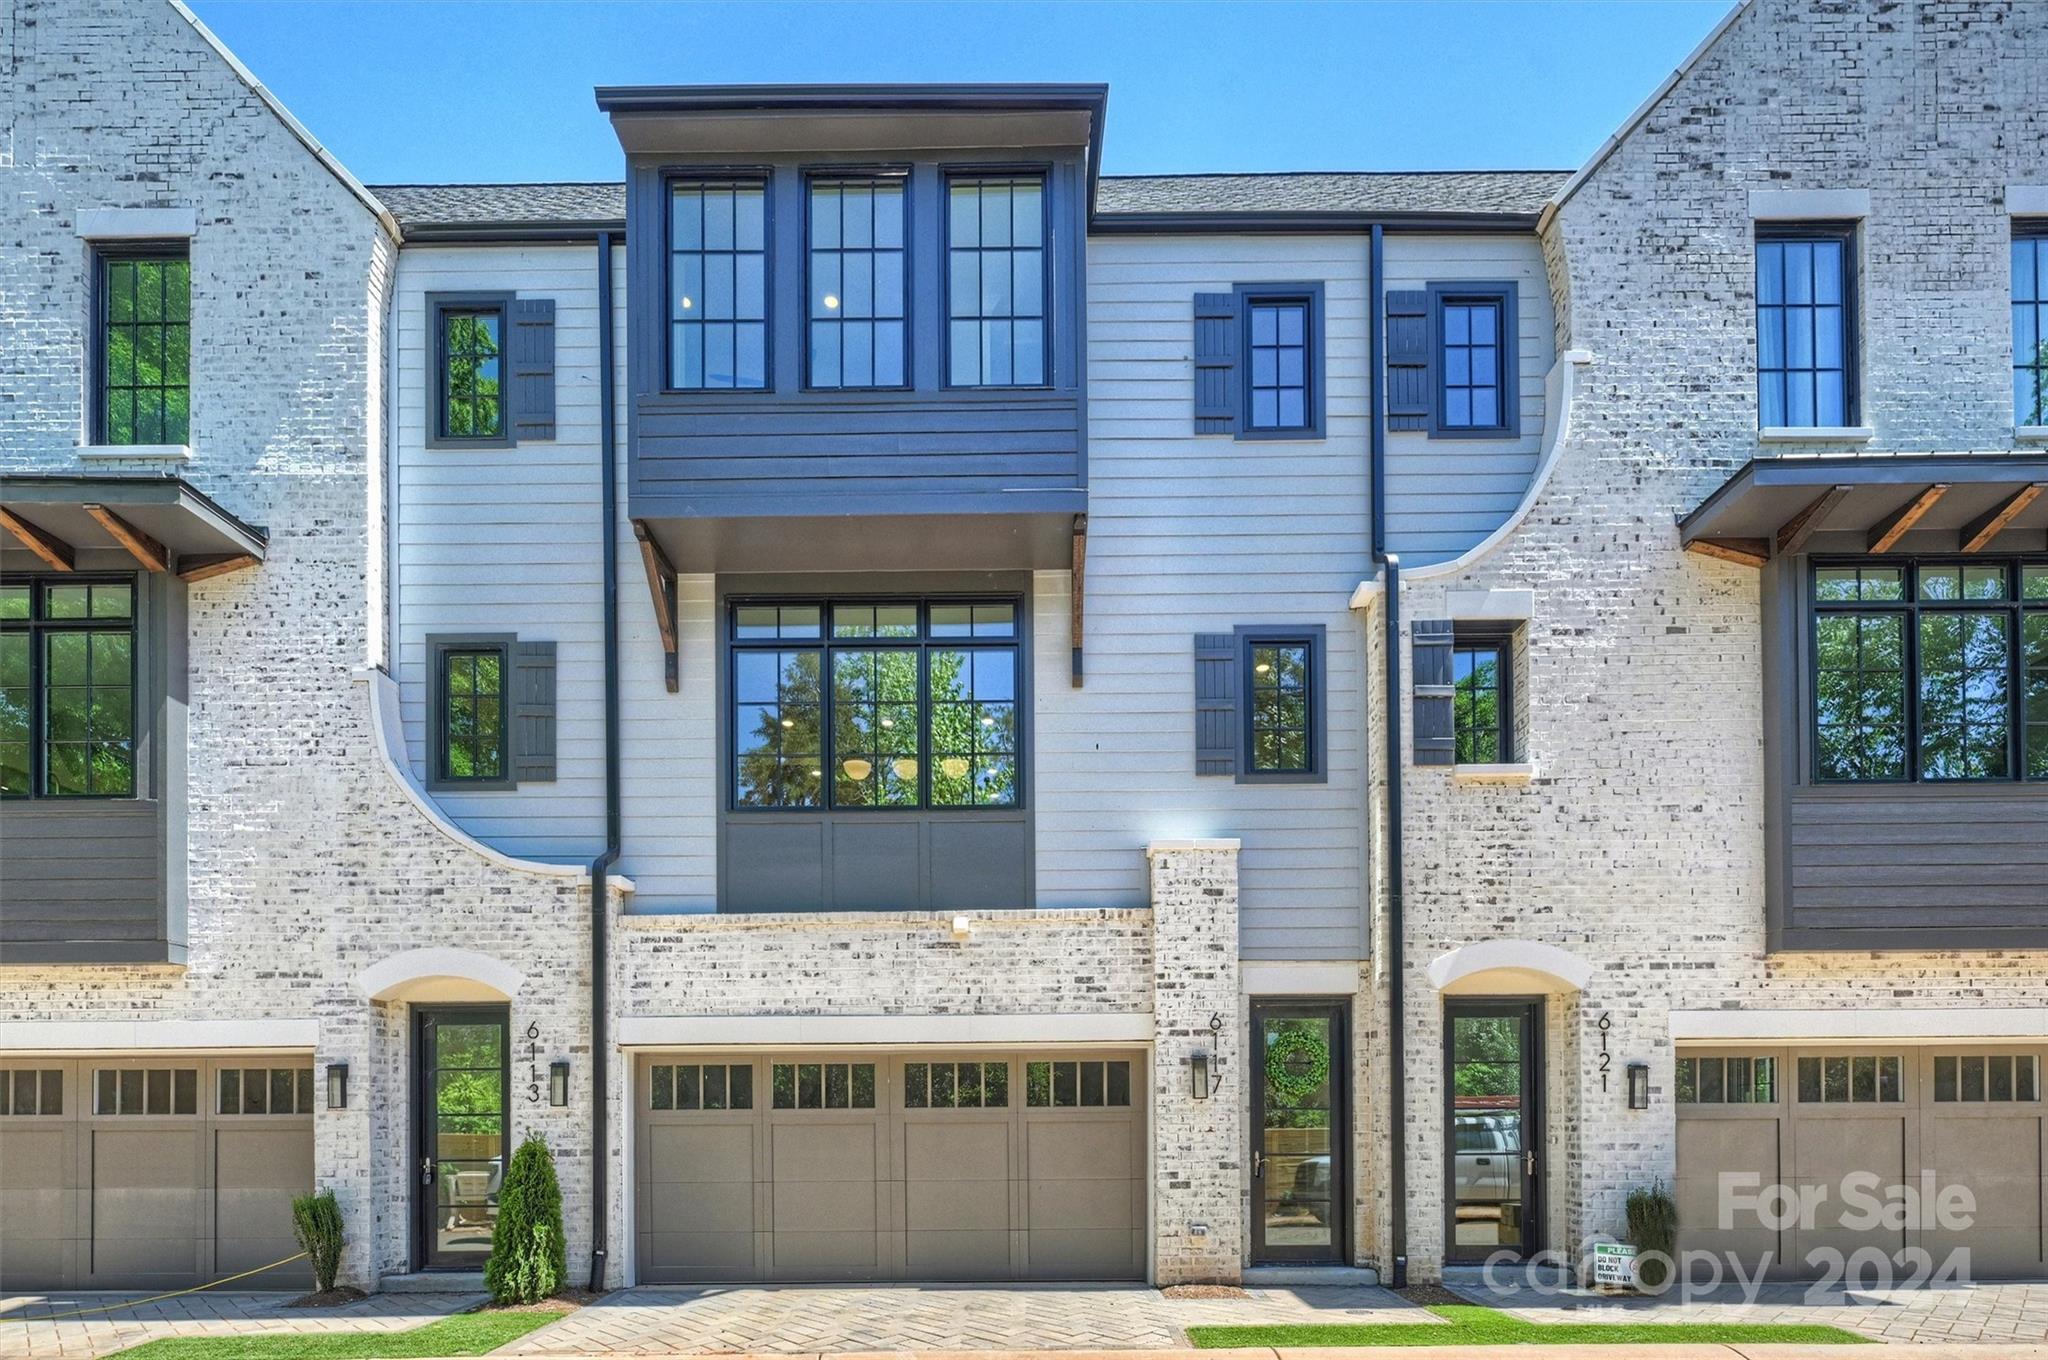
[1280, 707]
[145, 349]
[472, 404]
[473, 714]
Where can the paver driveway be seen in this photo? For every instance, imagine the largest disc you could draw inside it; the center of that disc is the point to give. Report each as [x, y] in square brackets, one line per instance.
[2010, 1313]
[799, 1319]
[25, 1333]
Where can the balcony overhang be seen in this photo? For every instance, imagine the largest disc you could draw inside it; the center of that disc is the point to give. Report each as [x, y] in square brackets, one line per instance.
[1874, 502]
[161, 522]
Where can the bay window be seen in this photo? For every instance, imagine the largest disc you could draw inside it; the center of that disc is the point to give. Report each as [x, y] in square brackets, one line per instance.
[893, 704]
[1930, 670]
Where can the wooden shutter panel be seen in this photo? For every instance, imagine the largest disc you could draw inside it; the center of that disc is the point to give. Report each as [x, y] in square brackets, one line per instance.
[533, 368]
[1215, 363]
[533, 711]
[1435, 698]
[1407, 359]
[1216, 715]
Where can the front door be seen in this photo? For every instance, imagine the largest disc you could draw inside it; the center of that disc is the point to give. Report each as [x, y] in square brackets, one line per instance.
[1493, 1056]
[1300, 1099]
[461, 1094]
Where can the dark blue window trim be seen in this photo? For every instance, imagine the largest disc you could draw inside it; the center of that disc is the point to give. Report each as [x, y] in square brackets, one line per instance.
[1314, 637]
[1783, 364]
[671, 177]
[1309, 295]
[1502, 294]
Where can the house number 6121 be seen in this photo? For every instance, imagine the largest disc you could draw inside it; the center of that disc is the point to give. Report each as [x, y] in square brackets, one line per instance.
[1606, 1058]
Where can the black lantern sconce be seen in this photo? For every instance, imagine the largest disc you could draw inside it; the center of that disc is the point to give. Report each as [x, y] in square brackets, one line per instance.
[337, 1086]
[558, 1084]
[1638, 1086]
[1198, 1073]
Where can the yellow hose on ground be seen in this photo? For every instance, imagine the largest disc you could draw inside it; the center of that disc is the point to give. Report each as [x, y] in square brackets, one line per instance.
[156, 1298]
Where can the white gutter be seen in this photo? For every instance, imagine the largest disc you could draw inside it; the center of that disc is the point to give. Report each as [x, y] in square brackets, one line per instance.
[1635, 120]
[293, 125]
[1560, 391]
[389, 738]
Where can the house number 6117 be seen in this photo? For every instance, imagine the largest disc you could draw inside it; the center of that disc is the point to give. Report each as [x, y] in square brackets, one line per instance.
[1606, 1058]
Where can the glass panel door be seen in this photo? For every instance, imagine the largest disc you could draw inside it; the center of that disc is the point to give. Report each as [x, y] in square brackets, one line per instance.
[462, 1089]
[1299, 1131]
[1494, 1127]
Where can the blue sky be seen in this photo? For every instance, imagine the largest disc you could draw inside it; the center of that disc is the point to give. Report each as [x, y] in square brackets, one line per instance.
[1221, 86]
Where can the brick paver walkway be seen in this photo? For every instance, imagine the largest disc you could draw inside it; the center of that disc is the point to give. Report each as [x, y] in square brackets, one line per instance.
[1984, 1313]
[24, 1333]
[813, 1319]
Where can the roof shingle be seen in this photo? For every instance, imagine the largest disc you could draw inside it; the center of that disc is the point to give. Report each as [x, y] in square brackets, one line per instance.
[431, 207]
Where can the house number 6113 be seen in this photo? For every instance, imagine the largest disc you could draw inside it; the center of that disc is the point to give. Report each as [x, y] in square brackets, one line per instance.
[1606, 1058]
[533, 1076]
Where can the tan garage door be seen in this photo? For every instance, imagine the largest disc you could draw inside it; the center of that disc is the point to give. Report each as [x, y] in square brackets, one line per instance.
[1967, 1116]
[151, 1173]
[890, 1166]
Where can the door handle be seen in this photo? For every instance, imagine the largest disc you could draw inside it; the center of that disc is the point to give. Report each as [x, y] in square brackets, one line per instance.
[426, 1171]
[1258, 1164]
[1482, 1161]
[1529, 1162]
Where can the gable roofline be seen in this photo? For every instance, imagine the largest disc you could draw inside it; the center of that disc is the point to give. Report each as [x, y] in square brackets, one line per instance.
[1642, 113]
[292, 125]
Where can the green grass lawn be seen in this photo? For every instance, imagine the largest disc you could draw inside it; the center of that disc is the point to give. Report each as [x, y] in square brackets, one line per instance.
[463, 1334]
[1472, 1325]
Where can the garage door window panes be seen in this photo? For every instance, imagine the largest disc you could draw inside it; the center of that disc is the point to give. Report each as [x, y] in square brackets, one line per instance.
[1727, 1081]
[702, 1086]
[824, 1086]
[956, 1086]
[1851, 1080]
[146, 1091]
[2000, 1077]
[1061, 1085]
[27, 1091]
[266, 1090]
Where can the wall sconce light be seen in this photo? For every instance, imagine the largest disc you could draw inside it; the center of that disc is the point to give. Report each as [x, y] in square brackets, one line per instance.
[1638, 1086]
[337, 1086]
[558, 1084]
[1198, 1075]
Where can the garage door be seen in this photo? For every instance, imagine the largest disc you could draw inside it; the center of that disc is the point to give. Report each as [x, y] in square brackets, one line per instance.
[890, 1166]
[151, 1173]
[1964, 1116]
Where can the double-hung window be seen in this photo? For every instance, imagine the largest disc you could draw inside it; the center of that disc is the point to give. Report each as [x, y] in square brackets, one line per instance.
[875, 704]
[1806, 326]
[997, 286]
[1473, 361]
[2030, 325]
[718, 284]
[1281, 737]
[67, 688]
[1282, 339]
[471, 678]
[858, 285]
[1482, 679]
[1930, 670]
[145, 346]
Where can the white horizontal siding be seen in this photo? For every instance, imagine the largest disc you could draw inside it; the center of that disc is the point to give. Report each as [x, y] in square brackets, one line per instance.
[1444, 495]
[1192, 535]
[506, 540]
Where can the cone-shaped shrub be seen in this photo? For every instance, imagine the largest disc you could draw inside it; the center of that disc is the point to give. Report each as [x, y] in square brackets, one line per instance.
[316, 1221]
[1652, 1226]
[529, 1259]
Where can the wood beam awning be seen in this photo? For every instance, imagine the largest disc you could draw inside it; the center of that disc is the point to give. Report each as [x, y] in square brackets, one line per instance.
[160, 523]
[1874, 503]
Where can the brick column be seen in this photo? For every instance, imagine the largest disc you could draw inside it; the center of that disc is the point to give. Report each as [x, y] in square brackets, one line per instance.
[1198, 1170]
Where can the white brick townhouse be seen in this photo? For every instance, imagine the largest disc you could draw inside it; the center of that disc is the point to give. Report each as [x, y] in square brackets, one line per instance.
[1094, 727]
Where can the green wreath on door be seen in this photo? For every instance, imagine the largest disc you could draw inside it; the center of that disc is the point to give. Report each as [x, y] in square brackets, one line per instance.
[1297, 1064]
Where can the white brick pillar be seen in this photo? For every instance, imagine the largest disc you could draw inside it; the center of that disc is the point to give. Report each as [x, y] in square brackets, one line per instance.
[1197, 1174]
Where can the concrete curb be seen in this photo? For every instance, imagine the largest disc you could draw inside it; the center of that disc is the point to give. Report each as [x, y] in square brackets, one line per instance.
[1957, 1350]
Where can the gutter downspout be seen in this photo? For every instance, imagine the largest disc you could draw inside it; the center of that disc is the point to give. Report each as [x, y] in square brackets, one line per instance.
[600, 904]
[1397, 1083]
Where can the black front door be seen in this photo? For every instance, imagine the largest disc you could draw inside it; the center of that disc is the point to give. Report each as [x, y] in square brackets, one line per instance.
[461, 1093]
[1493, 1059]
[1300, 1130]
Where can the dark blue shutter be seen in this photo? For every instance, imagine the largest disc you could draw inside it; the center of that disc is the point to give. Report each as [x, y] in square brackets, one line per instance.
[1408, 359]
[533, 711]
[1215, 363]
[1216, 715]
[533, 368]
[1435, 696]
